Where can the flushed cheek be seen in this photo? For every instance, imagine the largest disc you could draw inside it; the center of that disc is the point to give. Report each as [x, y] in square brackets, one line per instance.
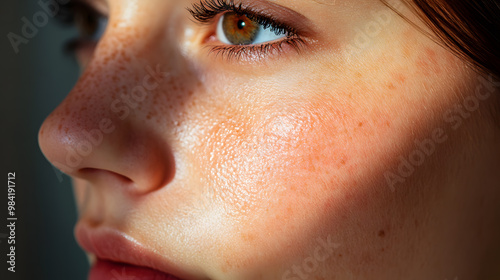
[310, 165]
[306, 169]
[275, 173]
[250, 152]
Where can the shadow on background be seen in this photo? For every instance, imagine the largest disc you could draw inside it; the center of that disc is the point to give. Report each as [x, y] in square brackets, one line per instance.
[33, 82]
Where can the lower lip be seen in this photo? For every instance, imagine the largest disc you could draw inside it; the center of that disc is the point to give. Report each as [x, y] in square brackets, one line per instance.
[105, 270]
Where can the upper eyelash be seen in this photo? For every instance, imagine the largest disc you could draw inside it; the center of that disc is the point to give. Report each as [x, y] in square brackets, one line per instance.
[207, 10]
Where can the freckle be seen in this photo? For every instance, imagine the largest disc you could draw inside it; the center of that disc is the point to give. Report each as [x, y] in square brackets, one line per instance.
[360, 124]
[401, 78]
[391, 86]
[248, 237]
[340, 255]
[381, 233]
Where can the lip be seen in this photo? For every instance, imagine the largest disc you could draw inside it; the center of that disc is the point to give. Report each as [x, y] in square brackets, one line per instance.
[106, 270]
[116, 252]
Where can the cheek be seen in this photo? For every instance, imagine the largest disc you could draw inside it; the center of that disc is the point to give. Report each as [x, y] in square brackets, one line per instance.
[288, 170]
[277, 167]
[253, 151]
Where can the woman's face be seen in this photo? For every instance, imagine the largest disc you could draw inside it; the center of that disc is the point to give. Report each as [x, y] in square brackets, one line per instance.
[331, 145]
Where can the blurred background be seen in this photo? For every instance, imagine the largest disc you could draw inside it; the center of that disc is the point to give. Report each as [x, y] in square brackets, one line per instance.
[33, 82]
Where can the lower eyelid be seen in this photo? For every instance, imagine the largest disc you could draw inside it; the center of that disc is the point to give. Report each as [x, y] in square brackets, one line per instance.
[256, 53]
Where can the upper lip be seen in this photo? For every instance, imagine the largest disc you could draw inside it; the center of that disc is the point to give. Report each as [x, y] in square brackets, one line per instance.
[113, 245]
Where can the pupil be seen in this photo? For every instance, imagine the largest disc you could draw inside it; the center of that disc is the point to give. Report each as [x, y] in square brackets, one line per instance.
[241, 24]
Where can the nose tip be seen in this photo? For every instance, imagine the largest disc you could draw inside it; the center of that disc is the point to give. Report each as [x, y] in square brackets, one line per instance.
[85, 139]
[133, 160]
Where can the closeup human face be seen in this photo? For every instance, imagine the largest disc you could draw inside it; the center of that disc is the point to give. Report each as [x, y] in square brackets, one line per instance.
[343, 144]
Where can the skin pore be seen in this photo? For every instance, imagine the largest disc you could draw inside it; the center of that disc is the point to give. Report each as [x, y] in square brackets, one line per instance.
[241, 167]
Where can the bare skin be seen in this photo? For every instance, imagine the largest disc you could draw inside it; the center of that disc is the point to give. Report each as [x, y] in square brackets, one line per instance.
[242, 168]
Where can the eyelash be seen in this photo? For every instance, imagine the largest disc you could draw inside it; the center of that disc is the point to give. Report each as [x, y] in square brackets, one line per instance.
[207, 11]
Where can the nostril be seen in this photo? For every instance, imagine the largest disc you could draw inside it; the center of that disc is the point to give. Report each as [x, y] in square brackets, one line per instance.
[98, 173]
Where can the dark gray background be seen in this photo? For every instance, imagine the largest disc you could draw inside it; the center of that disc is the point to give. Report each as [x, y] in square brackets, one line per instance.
[33, 82]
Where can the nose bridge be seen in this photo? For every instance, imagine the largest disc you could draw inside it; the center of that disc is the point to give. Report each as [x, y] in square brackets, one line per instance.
[116, 86]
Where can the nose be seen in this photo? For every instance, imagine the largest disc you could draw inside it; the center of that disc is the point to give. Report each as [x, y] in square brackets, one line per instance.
[103, 132]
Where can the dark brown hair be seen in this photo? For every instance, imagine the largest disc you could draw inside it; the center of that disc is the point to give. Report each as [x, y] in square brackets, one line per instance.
[470, 29]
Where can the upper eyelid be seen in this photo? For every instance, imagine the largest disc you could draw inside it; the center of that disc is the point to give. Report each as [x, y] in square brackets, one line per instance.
[285, 16]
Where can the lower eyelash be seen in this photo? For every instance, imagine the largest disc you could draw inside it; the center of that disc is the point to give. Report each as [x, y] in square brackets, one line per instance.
[256, 52]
